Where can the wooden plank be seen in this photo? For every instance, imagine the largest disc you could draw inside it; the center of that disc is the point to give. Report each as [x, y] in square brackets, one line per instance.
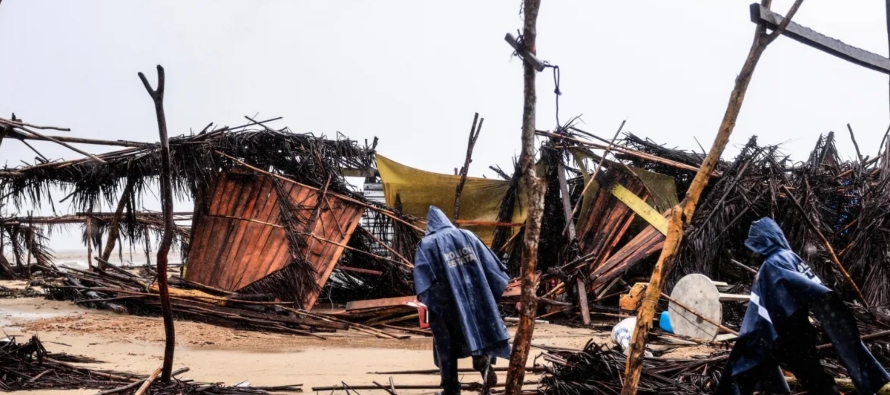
[208, 269]
[734, 298]
[804, 35]
[639, 206]
[247, 198]
[281, 253]
[268, 241]
[323, 278]
[201, 271]
[259, 197]
[223, 194]
[384, 302]
[644, 244]
[582, 300]
[202, 226]
[608, 219]
[267, 202]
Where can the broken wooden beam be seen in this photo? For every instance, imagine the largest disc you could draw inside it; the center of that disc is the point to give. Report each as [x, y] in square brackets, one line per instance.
[807, 36]
[375, 303]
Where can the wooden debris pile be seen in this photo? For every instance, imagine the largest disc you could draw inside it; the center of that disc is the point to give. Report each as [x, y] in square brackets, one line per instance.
[599, 370]
[30, 367]
[844, 202]
[613, 191]
[135, 292]
[371, 263]
[119, 290]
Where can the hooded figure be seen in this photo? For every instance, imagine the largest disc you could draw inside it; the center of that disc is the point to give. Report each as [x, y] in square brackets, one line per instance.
[460, 281]
[776, 328]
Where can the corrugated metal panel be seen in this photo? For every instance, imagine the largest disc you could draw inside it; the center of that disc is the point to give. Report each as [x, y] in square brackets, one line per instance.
[374, 222]
[240, 238]
[373, 191]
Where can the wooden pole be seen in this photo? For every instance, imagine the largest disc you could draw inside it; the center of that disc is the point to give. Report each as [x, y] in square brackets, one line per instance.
[169, 226]
[474, 134]
[30, 240]
[580, 286]
[114, 229]
[743, 266]
[88, 232]
[535, 188]
[682, 213]
[4, 264]
[148, 381]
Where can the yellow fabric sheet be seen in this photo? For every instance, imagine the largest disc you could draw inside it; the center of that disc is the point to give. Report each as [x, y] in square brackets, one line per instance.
[662, 188]
[419, 189]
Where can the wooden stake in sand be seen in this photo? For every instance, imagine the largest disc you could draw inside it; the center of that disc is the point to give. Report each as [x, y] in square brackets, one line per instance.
[169, 227]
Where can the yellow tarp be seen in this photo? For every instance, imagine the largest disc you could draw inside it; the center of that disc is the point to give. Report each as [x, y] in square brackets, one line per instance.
[418, 190]
[662, 188]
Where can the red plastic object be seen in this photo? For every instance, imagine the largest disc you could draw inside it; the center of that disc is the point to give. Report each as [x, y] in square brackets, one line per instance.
[423, 315]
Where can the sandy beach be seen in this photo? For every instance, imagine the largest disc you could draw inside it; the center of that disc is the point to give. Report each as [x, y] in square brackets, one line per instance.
[231, 356]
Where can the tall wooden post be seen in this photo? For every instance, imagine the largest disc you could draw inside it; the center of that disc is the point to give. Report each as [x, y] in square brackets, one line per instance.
[682, 213]
[88, 231]
[169, 227]
[30, 240]
[535, 188]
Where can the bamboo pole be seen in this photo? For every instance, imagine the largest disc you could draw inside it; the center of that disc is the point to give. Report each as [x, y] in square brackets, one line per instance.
[626, 151]
[115, 143]
[535, 188]
[169, 226]
[352, 325]
[682, 213]
[55, 140]
[474, 135]
[148, 381]
[30, 246]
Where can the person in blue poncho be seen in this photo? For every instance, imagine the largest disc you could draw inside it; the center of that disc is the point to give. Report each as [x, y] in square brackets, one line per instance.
[460, 281]
[776, 330]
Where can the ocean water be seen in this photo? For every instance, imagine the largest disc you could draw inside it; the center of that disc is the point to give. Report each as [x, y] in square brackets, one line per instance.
[77, 258]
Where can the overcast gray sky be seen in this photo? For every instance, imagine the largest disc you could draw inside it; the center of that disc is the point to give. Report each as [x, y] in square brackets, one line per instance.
[414, 72]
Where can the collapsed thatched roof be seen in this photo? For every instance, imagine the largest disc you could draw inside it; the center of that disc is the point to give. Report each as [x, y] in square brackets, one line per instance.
[306, 158]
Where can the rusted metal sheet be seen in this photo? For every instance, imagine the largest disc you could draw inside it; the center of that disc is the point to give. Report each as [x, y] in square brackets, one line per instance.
[239, 237]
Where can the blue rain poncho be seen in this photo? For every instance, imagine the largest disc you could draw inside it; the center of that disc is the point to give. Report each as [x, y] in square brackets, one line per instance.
[459, 279]
[784, 286]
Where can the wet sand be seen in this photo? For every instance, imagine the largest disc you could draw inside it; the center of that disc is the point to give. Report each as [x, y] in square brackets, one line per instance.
[217, 354]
